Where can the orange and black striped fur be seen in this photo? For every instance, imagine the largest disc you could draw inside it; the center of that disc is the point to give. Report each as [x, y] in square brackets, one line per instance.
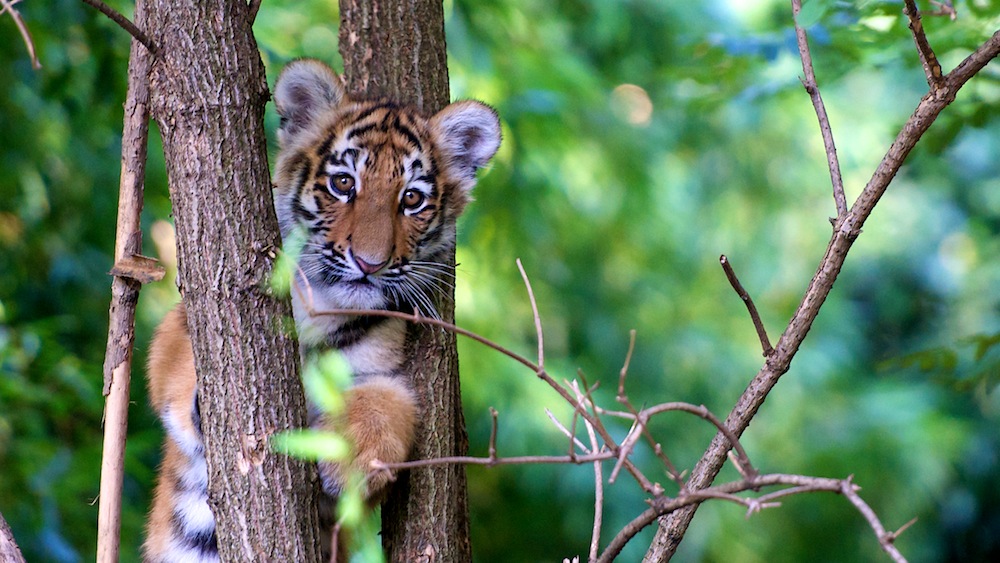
[375, 187]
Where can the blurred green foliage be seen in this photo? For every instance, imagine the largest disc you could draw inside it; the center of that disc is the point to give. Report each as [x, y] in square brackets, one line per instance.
[642, 140]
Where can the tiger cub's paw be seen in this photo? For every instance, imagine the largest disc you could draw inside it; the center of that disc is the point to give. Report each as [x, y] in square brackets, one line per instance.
[379, 421]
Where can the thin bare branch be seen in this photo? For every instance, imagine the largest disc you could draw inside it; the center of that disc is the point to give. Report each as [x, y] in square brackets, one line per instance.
[622, 452]
[626, 449]
[902, 529]
[493, 433]
[595, 537]
[124, 23]
[572, 439]
[129, 273]
[885, 539]
[576, 417]
[944, 8]
[809, 82]
[622, 398]
[628, 360]
[379, 466]
[335, 542]
[758, 324]
[534, 312]
[29, 43]
[254, 7]
[700, 410]
[932, 68]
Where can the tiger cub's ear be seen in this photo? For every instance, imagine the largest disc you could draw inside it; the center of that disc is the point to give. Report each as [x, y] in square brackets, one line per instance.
[305, 89]
[468, 135]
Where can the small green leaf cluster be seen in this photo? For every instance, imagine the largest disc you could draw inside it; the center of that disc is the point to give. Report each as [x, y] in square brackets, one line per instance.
[326, 378]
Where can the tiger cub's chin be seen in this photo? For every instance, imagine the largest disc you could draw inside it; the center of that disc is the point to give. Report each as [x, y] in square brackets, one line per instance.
[376, 188]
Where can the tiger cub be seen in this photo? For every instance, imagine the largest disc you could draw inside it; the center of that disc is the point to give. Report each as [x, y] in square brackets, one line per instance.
[376, 188]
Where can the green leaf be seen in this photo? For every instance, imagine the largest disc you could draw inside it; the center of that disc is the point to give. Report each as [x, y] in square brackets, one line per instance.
[325, 378]
[313, 445]
[287, 262]
[811, 12]
[984, 343]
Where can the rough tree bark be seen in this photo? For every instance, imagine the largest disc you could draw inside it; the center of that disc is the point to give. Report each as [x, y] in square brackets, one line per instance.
[9, 552]
[396, 48]
[208, 93]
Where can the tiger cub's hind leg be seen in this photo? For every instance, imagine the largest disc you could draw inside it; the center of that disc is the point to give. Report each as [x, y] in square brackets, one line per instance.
[181, 527]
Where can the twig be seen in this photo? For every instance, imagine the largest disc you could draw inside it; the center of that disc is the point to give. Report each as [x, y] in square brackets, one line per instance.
[932, 68]
[572, 439]
[765, 342]
[885, 539]
[378, 466]
[744, 466]
[622, 398]
[125, 292]
[534, 312]
[622, 451]
[595, 537]
[672, 528]
[335, 542]
[623, 373]
[809, 82]
[893, 535]
[945, 8]
[124, 23]
[572, 431]
[493, 434]
[8, 6]
[254, 7]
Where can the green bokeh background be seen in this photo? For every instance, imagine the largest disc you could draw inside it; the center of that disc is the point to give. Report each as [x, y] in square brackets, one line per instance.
[619, 201]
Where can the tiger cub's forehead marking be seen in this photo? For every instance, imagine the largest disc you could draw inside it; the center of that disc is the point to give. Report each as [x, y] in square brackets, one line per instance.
[385, 149]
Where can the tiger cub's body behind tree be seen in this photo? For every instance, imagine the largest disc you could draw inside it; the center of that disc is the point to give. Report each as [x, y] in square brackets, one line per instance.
[376, 188]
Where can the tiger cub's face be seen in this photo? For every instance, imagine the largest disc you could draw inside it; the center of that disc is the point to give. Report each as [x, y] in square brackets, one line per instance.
[374, 186]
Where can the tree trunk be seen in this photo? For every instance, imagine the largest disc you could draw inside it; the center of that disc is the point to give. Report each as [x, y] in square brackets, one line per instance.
[208, 94]
[396, 49]
[9, 552]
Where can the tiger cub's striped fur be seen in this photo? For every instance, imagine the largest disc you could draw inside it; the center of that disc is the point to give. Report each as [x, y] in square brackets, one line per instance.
[376, 188]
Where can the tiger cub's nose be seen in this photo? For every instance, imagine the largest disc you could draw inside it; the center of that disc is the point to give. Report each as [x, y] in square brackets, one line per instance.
[367, 267]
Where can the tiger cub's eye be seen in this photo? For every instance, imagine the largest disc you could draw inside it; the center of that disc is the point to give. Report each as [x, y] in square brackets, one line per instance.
[341, 184]
[412, 199]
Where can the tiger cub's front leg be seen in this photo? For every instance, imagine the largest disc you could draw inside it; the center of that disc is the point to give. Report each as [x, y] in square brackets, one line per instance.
[379, 422]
